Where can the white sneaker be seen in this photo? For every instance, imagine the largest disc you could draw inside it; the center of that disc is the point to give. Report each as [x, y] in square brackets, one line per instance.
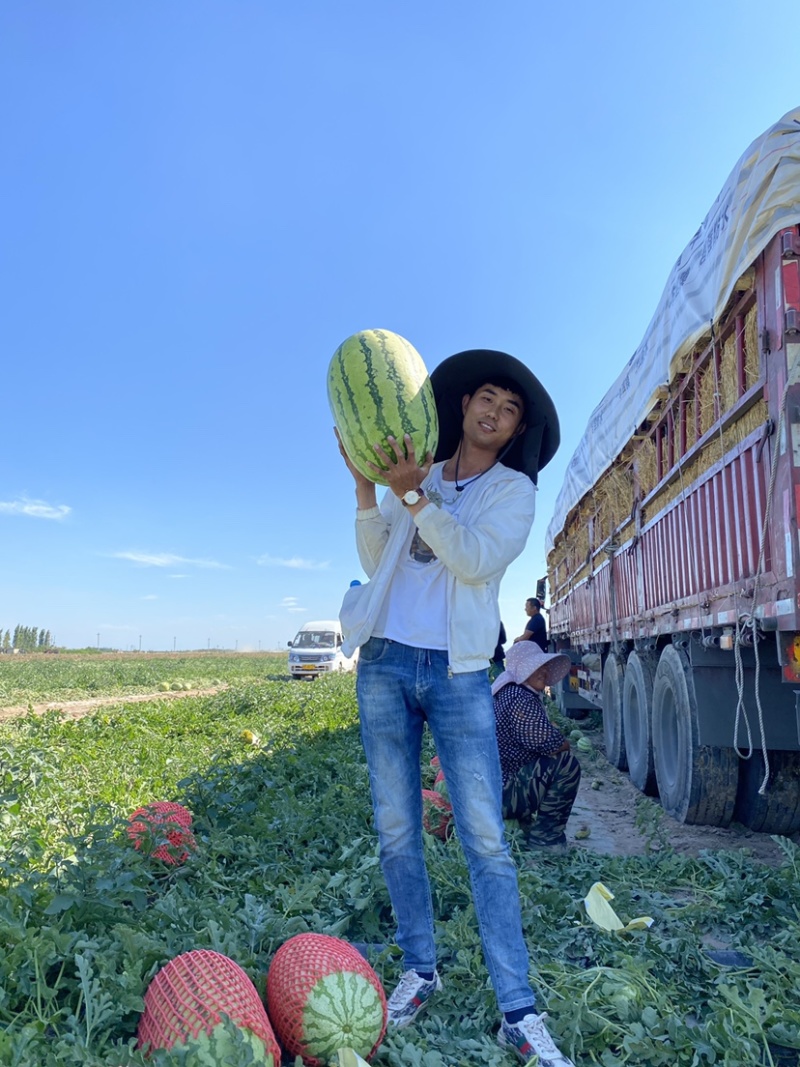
[529, 1037]
[410, 997]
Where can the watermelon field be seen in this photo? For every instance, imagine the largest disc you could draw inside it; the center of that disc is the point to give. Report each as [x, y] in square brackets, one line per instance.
[273, 774]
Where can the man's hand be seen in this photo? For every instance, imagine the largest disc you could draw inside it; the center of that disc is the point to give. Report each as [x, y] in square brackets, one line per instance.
[403, 472]
[366, 494]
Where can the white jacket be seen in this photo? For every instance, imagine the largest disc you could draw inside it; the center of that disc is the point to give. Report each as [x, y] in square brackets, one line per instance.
[476, 546]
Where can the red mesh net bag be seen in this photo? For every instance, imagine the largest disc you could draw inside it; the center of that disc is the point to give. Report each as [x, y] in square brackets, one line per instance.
[322, 995]
[192, 996]
[162, 830]
[437, 814]
[440, 786]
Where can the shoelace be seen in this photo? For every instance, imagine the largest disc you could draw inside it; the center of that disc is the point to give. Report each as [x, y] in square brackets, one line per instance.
[406, 986]
[543, 1035]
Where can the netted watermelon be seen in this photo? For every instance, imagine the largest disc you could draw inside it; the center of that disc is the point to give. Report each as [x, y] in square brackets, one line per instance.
[205, 1002]
[440, 785]
[378, 386]
[437, 814]
[323, 996]
[162, 830]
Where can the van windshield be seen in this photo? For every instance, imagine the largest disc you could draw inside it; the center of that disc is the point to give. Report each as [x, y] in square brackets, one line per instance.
[315, 639]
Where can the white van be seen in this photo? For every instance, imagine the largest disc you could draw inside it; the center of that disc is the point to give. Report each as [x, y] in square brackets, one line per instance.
[317, 649]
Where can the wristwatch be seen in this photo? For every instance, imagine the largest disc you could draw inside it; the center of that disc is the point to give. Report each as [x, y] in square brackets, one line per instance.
[413, 496]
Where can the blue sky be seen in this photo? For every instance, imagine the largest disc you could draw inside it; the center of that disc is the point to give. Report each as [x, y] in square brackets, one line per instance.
[200, 201]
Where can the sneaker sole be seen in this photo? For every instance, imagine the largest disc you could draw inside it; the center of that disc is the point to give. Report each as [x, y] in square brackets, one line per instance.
[407, 1020]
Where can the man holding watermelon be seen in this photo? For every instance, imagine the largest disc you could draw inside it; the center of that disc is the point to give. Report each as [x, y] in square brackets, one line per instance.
[426, 624]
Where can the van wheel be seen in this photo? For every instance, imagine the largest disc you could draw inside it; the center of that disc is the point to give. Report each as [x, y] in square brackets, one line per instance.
[613, 732]
[637, 721]
[697, 783]
[778, 811]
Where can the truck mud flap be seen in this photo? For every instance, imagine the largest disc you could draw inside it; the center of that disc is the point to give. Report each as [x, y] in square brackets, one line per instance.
[713, 673]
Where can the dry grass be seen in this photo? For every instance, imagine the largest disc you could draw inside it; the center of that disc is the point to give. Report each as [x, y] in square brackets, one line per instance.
[608, 506]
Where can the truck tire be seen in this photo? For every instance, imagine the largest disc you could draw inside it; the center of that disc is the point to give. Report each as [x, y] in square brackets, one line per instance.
[637, 721]
[696, 783]
[613, 732]
[778, 811]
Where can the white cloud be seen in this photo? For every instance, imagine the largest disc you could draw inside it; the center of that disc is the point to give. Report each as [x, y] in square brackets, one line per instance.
[150, 596]
[166, 559]
[34, 509]
[290, 604]
[296, 563]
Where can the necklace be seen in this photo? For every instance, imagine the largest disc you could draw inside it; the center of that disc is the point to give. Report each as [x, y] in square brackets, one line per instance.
[474, 478]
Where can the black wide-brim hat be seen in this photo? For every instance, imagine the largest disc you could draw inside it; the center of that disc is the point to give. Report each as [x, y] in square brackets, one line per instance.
[465, 372]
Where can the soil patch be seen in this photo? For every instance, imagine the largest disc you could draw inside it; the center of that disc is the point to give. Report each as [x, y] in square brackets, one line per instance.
[623, 822]
[76, 709]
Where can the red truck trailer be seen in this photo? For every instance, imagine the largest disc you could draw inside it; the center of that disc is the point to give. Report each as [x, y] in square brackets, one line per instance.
[674, 552]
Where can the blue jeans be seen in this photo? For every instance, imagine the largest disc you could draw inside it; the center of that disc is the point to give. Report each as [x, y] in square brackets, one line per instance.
[399, 689]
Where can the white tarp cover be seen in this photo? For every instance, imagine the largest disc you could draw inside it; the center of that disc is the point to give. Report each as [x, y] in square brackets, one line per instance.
[761, 197]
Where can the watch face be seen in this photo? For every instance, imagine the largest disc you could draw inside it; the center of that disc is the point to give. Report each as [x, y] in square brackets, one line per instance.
[411, 497]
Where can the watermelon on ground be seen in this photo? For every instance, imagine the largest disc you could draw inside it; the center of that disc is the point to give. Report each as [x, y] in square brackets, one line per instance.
[323, 996]
[440, 785]
[378, 386]
[437, 814]
[205, 1002]
[162, 830]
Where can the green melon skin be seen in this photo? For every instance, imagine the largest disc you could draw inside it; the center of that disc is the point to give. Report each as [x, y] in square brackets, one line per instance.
[224, 1046]
[342, 1010]
[378, 386]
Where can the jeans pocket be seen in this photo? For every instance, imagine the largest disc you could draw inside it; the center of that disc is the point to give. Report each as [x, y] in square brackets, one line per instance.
[373, 650]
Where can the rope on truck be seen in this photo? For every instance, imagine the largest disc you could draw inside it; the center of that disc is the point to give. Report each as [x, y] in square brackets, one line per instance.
[748, 620]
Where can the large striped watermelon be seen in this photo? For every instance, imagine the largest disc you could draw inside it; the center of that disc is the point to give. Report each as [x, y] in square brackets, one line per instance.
[323, 996]
[377, 386]
[205, 1003]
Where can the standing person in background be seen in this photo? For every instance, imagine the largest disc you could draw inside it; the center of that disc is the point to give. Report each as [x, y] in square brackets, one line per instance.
[497, 664]
[427, 624]
[540, 774]
[535, 628]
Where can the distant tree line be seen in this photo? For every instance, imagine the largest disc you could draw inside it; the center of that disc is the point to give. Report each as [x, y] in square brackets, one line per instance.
[25, 639]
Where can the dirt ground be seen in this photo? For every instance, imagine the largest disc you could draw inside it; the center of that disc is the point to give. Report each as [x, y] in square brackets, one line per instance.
[76, 709]
[622, 822]
[619, 820]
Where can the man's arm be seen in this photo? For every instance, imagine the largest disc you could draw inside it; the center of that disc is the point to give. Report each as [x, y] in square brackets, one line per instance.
[372, 528]
[527, 633]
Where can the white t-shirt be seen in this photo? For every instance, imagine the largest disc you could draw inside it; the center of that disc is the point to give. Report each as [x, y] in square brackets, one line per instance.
[415, 609]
